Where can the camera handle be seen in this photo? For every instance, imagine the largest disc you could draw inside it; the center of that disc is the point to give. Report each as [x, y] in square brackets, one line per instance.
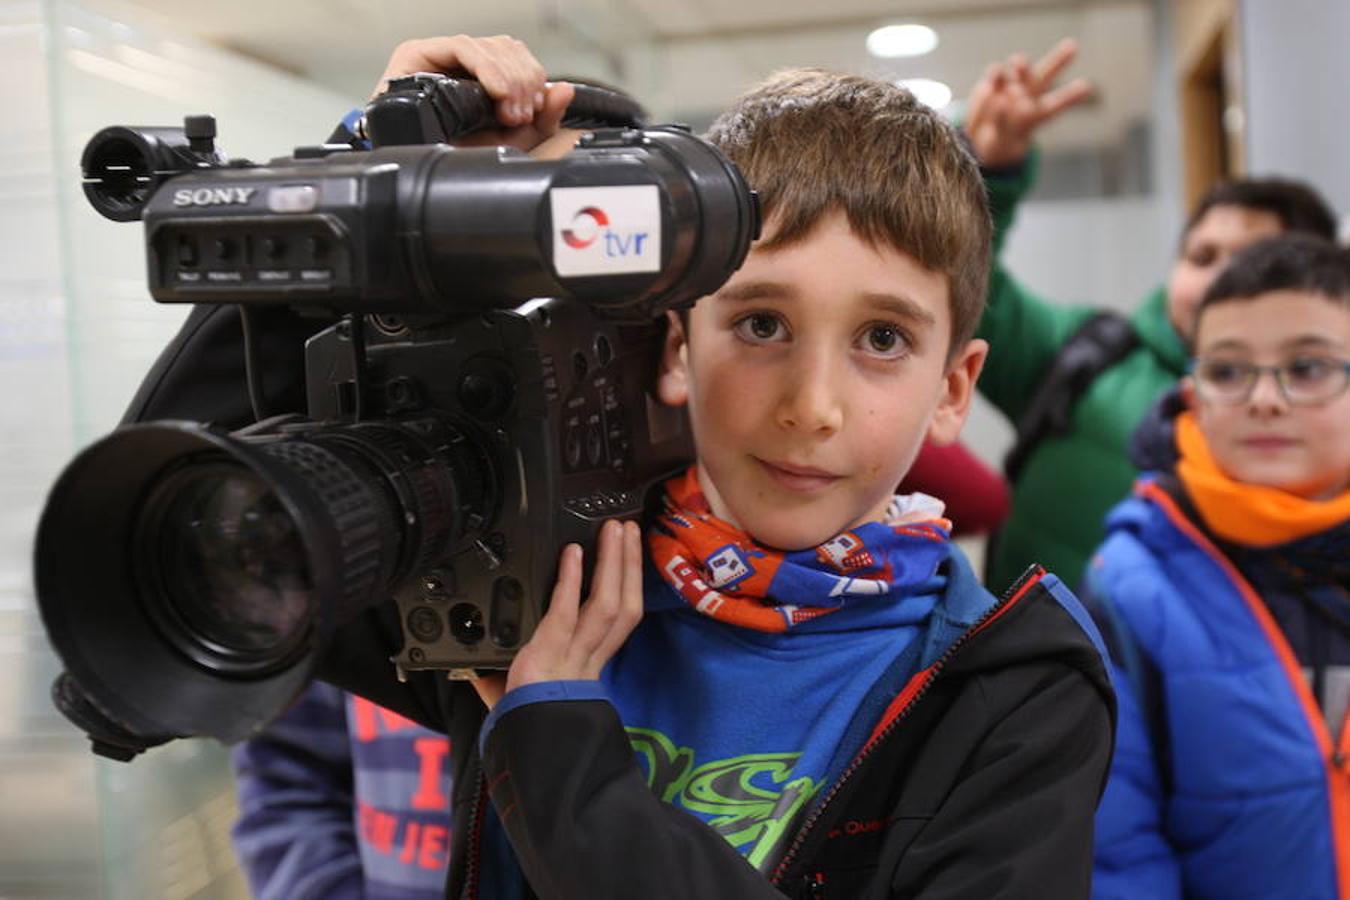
[431, 108]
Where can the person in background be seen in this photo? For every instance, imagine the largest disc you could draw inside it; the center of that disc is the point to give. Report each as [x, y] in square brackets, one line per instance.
[1223, 587]
[1074, 382]
[340, 798]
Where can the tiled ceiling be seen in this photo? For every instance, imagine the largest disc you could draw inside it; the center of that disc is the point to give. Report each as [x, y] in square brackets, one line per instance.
[687, 58]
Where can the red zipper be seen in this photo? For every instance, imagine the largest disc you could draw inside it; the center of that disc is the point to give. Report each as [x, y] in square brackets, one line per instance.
[906, 700]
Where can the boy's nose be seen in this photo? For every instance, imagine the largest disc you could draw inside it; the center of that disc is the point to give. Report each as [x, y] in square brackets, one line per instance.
[1267, 396]
[810, 401]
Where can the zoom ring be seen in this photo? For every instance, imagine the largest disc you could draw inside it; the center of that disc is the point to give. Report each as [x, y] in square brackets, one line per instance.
[362, 519]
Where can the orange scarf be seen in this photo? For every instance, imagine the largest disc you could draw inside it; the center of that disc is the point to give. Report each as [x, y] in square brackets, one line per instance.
[1249, 514]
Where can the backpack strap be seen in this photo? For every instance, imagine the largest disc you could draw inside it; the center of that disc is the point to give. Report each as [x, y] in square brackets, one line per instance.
[1099, 343]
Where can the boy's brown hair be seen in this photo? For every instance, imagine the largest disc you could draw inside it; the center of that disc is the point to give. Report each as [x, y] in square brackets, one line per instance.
[813, 142]
[1291, 261]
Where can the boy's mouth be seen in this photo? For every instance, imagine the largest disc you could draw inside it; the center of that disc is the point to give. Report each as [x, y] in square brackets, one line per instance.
[802, 479]
[1267, 442]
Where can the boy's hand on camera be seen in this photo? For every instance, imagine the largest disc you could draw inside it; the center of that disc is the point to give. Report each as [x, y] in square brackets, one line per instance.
[1012, 99]
[574, 640]
[529, 107]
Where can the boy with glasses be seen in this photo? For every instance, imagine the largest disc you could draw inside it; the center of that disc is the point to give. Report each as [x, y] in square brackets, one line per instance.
[1225, 583]
[1074, 381]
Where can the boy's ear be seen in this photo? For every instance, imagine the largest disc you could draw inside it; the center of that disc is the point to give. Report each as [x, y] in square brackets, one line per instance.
[958, 390]
[672, 374]
[1188, 393]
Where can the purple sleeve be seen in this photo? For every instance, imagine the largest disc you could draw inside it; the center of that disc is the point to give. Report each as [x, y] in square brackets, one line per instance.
[296, 837]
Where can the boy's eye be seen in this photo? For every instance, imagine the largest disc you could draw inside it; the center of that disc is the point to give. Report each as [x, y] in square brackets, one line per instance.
[1201, 256]
[760, 327]
[883, 338]
[1223, 374]
[1309, 370]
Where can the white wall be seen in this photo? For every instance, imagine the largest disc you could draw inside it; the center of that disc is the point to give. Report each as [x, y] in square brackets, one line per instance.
[1105, 252]
[1296, 69]
[77, 331]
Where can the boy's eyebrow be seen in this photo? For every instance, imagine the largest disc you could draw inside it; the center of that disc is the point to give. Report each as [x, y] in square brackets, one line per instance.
[897, 304]
[756, 290]
[1305, 340]
[902, 306]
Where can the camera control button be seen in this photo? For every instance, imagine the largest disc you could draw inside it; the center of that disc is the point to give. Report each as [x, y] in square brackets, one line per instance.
[595, 445]
[293, 198]
[572, 447]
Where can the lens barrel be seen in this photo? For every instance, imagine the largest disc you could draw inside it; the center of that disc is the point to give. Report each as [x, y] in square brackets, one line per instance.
[188, 578]
[123, 167]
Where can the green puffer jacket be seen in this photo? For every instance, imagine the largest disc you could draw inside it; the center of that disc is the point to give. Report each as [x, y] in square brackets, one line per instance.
[1069, 482]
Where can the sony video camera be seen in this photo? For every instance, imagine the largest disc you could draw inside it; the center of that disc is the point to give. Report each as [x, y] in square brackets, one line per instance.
[481, 398]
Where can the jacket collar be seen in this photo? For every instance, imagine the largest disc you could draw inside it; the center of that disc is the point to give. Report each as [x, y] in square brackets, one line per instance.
[1155, 332]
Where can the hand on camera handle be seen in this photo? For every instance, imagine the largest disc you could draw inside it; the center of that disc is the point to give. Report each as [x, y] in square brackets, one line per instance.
[1015, 98]
[529, 107]
[574, 641]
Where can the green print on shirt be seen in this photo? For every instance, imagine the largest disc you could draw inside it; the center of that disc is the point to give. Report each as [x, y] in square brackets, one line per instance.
[755, 818]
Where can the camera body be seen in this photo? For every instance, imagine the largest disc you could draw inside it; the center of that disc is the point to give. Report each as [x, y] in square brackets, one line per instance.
[483, 398]
[553, 411]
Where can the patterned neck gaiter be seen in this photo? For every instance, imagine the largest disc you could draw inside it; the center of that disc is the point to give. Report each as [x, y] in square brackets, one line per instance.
[721, 571]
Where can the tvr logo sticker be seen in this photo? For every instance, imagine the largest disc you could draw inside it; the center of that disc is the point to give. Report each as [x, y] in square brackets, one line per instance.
[585, 228]
[612, 230]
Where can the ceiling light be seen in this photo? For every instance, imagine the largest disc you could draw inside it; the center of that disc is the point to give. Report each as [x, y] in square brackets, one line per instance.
[928, 92]
[892, 41]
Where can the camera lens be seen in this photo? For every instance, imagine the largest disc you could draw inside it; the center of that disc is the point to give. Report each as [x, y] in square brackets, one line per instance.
[227, 564]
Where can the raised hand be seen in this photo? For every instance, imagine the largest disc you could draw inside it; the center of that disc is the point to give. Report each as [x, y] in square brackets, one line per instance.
[574, 640]
[1014, 98]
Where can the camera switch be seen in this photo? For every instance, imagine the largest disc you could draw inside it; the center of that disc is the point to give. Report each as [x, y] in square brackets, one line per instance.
[293, 198]
[187, 252]
[273, 247]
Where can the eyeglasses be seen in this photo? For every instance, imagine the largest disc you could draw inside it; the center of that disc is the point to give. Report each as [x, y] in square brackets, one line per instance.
[1304, 381]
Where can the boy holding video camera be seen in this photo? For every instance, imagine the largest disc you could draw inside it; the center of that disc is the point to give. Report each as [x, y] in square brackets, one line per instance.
[792, 684]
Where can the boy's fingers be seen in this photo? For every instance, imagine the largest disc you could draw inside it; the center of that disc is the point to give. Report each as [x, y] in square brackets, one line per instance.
[629, 610]
[435, 54]
[513, 86]
[602, 606]
[1060, 99]
[977, 105]
[504, 66]
[526, 75]
[554, 633]
[556, 98]
[1054, 62]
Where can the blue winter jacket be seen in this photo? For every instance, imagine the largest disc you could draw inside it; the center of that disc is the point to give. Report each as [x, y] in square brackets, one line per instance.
[1225, 782]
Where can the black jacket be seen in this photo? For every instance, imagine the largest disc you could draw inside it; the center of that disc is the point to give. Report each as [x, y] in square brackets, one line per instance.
[983, 784]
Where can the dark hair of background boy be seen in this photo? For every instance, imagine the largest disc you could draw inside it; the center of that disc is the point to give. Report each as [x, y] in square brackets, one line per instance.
[1288, 262]
[813, 142]
[1298, 207]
